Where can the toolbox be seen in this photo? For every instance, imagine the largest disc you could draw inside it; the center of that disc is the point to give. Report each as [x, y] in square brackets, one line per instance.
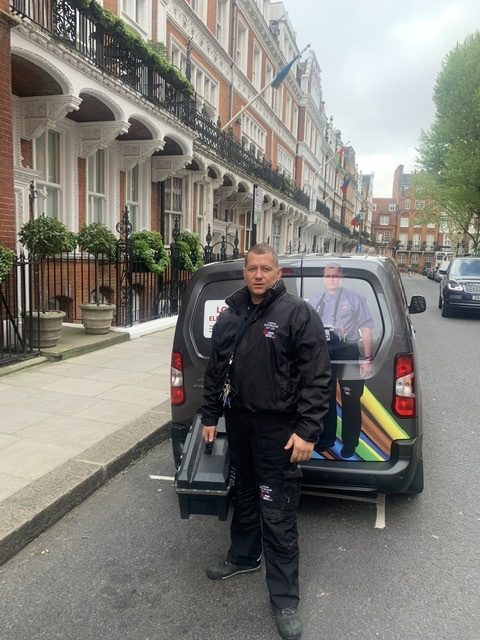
[204, 478]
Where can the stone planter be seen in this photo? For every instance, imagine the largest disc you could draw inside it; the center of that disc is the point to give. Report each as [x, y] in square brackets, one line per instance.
[44, 328]
[97, 318]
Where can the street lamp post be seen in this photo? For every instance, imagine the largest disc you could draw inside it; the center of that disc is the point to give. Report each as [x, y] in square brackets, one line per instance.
[361, 217]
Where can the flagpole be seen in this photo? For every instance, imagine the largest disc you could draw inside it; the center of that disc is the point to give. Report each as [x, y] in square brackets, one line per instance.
[239, 113]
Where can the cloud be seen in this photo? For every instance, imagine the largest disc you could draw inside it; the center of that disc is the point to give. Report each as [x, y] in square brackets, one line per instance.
[379, 62]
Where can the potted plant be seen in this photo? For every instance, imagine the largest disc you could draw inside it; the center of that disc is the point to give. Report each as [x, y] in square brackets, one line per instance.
[7, 256]
[191, 253]
[45, 237]
[97, 239]
[149, 252]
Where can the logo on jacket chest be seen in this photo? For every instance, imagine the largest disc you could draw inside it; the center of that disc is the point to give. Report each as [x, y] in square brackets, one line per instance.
[270, 330]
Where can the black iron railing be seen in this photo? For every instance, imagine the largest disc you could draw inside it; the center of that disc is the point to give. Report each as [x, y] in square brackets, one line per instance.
[109, 52]
[17, 294]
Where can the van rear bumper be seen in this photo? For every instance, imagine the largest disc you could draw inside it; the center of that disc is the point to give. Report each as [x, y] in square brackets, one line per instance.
[394, 476]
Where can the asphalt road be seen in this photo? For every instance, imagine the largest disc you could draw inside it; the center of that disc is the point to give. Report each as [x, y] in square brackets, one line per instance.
[123, 565]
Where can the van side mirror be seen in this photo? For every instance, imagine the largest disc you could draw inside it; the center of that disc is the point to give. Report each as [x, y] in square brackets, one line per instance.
[417, 304]
[442, 271]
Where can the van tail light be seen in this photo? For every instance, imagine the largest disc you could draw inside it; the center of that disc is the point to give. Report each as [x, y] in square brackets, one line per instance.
[177, 390]
[404, 397]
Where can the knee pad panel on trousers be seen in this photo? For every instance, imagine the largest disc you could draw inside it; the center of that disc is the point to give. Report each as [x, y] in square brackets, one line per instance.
[246, 507]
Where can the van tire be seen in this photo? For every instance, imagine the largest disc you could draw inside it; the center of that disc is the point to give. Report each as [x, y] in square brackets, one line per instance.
[416, 486]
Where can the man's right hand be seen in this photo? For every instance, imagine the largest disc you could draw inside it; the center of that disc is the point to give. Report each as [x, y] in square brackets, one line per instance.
[209, 433]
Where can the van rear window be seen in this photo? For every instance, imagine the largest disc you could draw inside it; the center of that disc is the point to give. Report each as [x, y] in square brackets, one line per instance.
[348, 306]
[350, 313]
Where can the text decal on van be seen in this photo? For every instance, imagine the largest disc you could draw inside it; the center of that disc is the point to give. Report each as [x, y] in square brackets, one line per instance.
[212, 310]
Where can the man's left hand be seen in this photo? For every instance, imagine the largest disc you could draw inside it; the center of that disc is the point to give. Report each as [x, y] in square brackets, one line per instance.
[301, 449]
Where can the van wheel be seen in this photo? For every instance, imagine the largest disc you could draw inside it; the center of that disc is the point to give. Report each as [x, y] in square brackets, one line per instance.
[446, 313]
[416, 485]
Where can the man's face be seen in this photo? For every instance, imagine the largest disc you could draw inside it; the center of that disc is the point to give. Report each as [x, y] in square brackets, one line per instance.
[260, 274]
[332, 279]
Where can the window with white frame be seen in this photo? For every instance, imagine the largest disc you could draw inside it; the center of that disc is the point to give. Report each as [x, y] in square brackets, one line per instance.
[384, 220]
[173, 205]
[199, 6]
[242, 48]
[402, 258]
[386, 236]
[222, 22]
[137, 13]
[268, 95]
[403, 239]
[278, 99]
[288, 110]
[407, 205]
[132, 200]
[96, 187]
[257, 67]
[430, 239]
[419, 205]
[295, 126]
[416, 241]
[178, 56]
[404, 222]
[430, 225]
[285, 162]
[392, 207]
[276, 234]
[415, 258]
[205, 86]
[48, 183]
[252, 133]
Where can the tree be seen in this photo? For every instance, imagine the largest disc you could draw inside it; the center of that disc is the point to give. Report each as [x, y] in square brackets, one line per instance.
[449, 152]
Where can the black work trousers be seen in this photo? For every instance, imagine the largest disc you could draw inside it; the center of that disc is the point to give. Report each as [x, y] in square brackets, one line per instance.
[351, 391]
[265, 500]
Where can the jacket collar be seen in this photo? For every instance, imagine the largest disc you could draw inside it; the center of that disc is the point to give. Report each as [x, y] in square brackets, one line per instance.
[240, 299]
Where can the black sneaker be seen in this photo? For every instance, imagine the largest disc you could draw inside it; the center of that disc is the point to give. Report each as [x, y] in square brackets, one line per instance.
[323, 446]
[347, 452]
[289, 623]
[227, 569]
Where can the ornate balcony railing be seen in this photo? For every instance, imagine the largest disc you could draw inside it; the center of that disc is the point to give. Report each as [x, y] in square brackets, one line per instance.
[104, 48]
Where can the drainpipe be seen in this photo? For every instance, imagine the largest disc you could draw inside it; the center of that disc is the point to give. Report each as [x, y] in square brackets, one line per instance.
[232, 45]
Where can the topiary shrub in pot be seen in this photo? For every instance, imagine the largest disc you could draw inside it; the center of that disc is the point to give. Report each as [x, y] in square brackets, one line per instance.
[7, 256]
[44, 237]
[148, 251]
[191, 252]
[97, 239]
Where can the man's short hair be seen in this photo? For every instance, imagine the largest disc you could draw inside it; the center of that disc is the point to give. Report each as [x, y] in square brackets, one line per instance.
[260, 249]
[334, 265]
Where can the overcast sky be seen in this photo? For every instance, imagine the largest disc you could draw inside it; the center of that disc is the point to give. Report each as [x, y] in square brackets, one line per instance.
[379, 61]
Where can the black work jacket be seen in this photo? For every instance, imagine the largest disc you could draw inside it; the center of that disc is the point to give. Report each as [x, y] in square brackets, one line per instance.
[280, 362]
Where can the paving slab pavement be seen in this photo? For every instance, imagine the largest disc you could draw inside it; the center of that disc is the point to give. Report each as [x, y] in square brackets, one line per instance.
[73, 418]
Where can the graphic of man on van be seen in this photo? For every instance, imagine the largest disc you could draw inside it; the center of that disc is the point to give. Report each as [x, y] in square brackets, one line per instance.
[348, 326]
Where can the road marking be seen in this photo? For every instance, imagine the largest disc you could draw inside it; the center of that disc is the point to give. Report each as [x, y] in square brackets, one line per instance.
[380, 521]
[169, 478]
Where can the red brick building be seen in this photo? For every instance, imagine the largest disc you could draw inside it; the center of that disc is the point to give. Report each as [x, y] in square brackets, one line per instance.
[399, 227]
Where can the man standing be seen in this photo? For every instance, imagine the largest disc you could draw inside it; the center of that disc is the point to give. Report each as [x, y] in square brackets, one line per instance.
[269, 372]
[349, 325]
